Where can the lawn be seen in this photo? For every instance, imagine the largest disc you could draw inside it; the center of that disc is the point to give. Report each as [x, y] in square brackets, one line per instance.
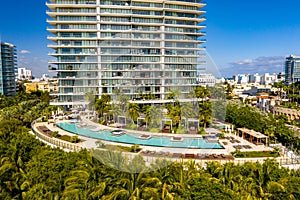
[255, 154]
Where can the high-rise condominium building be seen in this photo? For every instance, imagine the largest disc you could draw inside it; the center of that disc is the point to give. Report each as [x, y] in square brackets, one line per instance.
[292, 69]
[136, 47]
[8, 63]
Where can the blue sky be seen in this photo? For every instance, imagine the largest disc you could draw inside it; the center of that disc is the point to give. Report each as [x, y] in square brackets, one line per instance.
[242, 36]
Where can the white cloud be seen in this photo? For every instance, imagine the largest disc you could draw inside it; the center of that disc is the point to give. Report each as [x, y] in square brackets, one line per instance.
[264, 64]
[38, 65]
[25, 52]
[246, 61]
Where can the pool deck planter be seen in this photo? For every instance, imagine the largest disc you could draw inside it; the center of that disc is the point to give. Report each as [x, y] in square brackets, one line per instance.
[118, 132]
[145, 137]
[176, 139]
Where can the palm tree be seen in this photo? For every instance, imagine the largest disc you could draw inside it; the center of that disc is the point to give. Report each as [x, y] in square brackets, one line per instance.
[279, 85]
[165, 194]
[263, 179]
[90, 97]
[217, 92]
[247, 188]
[174, 94]
[85, 182]
[205, 113]
[75, 185]
[180, 175]
[202, 92]
[115, 110]
[39, 191]
[275, 188]
[7, 169]
[187, 110]
[135, 186]
[230, 176]
[12, 172]
[163, 170]
[122, 100]
[174, 113]
[133, 111]
[106, 98]
[102, 104]
[134, 183]
[228, 89]
[153, 116]
[28, 117]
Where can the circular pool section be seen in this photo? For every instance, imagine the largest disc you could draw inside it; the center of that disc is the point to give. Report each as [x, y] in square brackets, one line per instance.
[129, 138]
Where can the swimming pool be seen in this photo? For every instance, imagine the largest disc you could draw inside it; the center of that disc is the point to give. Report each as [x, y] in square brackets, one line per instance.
[196, 143]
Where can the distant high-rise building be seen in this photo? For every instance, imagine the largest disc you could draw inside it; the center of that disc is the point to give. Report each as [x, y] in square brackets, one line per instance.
[268, 79]
[135, 47]
[206, 80]
[8, 63]
[241, 78]
[24, 74]
[254, 78]
[280, 77]
[292, 69]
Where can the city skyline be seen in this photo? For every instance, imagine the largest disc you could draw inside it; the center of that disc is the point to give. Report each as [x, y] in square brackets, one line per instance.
[240, 36]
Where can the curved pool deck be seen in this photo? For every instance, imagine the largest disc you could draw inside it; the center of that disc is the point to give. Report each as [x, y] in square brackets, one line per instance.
[130, 138]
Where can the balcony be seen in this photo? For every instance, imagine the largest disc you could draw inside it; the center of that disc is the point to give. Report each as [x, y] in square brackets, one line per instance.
[54, 14]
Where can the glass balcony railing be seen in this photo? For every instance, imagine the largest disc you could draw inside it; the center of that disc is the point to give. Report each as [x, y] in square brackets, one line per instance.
[177, 22]
[146, 4]
[190, 1]
[88, 2]
[75, 18]
[76, 10]
[114, 11]
[114, 3]
[181, 7]
[145, 28]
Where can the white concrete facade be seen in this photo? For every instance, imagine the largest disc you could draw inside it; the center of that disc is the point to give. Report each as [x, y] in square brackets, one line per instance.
[138, 46]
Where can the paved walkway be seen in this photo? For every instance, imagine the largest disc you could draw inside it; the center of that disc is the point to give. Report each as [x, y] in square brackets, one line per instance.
[232, 142]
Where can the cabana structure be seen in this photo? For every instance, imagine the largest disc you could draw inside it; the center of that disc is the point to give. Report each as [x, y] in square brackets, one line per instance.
[107, 117]
[192, 125]
[253, 136]
[166, 127]
[121, 120]
[141, 123]
[183, 121]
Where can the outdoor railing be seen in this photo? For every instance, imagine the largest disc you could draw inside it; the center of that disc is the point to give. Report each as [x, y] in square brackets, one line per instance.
[54, 141]
[239, 161]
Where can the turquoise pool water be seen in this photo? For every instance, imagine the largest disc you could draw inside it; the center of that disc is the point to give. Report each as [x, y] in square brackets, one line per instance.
[197, 143]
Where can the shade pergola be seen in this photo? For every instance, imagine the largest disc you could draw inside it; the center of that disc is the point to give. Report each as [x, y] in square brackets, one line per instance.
[121, 120]
[166, 128]
[192, 125]
[252, 136]
[183, 122]
[142, 123]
